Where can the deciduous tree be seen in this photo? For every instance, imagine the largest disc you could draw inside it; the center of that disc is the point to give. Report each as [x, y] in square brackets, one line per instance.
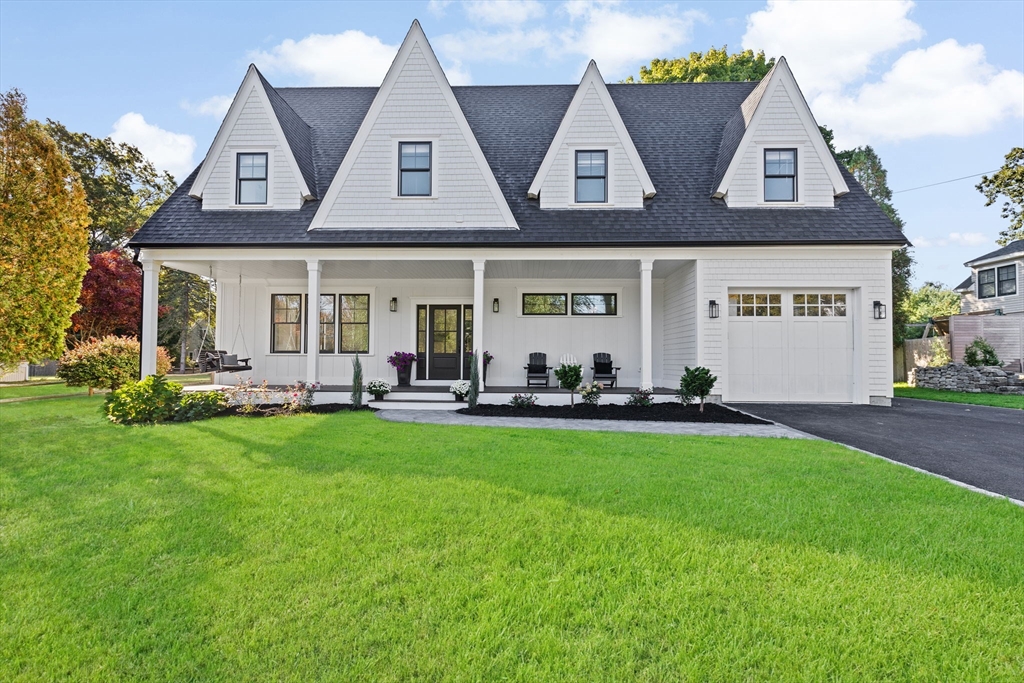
[44, 237]
[713, 65]
[1008, 182]
[110, 302]
[931, 300]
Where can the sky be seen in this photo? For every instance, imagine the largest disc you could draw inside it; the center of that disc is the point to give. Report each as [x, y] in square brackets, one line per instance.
[937, 88]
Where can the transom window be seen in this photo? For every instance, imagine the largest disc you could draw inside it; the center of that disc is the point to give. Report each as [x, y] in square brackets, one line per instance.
[780, 175]
[594, 304]
[755, 305]
[286, 323]
[819, 305]
[414, 169]
[545, 304]
[252, 178]
[1000, 281]
[592, 177]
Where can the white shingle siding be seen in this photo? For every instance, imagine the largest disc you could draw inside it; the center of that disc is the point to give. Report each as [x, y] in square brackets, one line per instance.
[1012, 303]
[781, 126]
[679, 322]
[254, 132]
[416, 109]
[591, 129]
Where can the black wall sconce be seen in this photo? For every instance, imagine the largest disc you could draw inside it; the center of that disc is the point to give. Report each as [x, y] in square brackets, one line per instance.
[494, 305]
[712, 309]
[879, 310]
[394, 304]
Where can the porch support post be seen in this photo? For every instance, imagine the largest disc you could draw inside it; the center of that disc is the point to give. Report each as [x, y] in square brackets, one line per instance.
[478, 317]
[646, 327]
[313, 321]
[150, 303]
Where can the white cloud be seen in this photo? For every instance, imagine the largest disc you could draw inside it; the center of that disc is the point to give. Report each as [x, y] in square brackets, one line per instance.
[946, 89]
[507, 46]
[954, 239]
[168, 151]
[438, 7]
[829, 44]
[504, 12]
[348, 58]
[216, 106]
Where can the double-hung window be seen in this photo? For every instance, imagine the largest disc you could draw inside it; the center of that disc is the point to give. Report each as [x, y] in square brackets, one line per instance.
[327, 319]
[1001, 281]
[286, 323]
[592, 177]
[252, 178]
[355, 323]
[414, 169]
[780, 175]
[987, 283]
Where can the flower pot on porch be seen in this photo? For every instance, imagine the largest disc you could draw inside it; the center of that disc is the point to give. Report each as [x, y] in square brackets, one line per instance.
[485, 373]
[378, 397]
[404, 375]
[458, 398]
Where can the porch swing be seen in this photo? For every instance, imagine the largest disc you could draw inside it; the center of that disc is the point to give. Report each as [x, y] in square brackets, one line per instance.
[221, 361]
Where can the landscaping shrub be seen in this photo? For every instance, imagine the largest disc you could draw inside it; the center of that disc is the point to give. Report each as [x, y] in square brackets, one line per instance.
[474, 381]
[591, 393]
[106, 363]
[641, 397]
[298, 398]
[154, 399]
[200, 405]
[357, 383]
[979, 352]
[569, 376]
[523, 400]
[695, 383]
[940, 354]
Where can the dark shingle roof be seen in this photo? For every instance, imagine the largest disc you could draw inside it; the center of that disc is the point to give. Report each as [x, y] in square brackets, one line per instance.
[1011, 248]
[966, 284]
[298, 133]
[736, 128]
[677, 129]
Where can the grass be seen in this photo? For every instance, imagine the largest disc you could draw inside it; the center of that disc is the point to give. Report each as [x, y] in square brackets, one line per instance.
[902, 390]
[343, 547]
[37, 388]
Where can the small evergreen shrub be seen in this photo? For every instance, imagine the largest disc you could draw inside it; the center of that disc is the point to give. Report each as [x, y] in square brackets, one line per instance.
[695, 383]
[591, 393]
[474, 381]
[106, 363]
[643, 398]
[200, 405]
[357, 383]
[523, 401]
[940, 355]
[980, 353]
[154, 399]
[569, 377]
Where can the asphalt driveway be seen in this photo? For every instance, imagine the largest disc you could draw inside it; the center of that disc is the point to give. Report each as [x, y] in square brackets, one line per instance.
[976, 445]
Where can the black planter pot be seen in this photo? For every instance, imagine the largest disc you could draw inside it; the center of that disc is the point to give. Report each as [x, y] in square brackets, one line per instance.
[460, 399]
[404, 376]
[485, 374]
[378, 397]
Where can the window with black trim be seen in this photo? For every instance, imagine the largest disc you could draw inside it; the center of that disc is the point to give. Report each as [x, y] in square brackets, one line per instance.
[595, 304]
[545, 304]
[591, 177]
[354, 323]
[327, 320]
[987, 283]
[780, 175]
[1006, 280]
[286, 323]
[414, 169]
[252, 178]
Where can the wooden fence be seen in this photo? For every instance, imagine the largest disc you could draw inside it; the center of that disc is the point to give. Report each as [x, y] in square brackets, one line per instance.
[1004, 332]
[913, 353]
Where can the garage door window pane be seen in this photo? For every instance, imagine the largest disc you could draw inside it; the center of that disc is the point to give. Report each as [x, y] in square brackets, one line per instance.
[819, 305]
[755, 305]
[734, 304]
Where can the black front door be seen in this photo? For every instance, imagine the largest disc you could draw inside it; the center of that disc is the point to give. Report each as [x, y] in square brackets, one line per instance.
[445, 359]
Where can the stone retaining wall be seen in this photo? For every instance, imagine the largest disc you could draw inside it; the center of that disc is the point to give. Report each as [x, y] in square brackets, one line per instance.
[960, 377]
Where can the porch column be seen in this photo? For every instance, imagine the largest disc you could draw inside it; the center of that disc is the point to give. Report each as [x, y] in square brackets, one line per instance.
[646, 327]
[313, 319]
[478, 317]
[150, 303]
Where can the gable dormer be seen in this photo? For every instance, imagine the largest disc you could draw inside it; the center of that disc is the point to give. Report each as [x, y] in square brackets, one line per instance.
[414, 162]
[262, 156]
[592, 161]
[772, 153]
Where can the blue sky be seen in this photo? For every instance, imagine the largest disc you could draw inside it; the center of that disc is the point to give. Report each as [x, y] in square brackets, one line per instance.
[937, 88]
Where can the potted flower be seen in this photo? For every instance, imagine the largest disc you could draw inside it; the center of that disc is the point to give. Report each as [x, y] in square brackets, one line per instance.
[379, 388]
[402, 362]
[460, 388]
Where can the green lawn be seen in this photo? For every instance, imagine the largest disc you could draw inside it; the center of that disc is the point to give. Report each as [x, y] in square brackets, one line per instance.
[342, 547]
[901, 390]
[35, 388]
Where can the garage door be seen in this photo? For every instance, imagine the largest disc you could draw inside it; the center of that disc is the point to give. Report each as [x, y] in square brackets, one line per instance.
[794, 345]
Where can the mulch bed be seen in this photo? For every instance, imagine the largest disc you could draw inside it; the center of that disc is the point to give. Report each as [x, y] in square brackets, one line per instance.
[659, 412]
[275, 410]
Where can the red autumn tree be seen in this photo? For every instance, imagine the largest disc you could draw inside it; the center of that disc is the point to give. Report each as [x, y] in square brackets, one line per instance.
[110, 302]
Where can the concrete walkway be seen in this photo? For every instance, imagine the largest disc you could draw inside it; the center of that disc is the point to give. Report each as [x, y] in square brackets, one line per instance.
[678, 428]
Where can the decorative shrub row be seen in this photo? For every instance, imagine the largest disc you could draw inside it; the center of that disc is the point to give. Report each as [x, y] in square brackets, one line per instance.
[154, 399]
[106, 363]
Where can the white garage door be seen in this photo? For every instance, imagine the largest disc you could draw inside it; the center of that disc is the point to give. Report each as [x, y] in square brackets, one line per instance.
[790, 346]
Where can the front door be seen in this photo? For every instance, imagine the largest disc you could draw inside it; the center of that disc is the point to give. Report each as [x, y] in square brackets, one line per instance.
[445, 356]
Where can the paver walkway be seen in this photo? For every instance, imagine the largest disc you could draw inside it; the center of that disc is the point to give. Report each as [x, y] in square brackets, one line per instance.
[447, 417]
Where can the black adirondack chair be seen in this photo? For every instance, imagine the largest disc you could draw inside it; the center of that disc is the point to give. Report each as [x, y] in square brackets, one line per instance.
[604, 372]
[537, 370]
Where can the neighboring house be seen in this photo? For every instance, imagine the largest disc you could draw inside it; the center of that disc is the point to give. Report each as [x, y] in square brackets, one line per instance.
[996, 282]
[669, 225]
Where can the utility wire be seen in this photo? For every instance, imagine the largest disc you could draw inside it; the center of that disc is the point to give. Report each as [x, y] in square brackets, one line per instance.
[911, 189]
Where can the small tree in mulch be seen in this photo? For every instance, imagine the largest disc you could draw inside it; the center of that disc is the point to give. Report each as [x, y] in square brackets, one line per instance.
[474, 381]
[570, 377]
[357, 383]
[696, 383]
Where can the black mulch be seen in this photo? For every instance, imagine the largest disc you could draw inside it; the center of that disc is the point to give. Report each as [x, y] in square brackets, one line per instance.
[274, 410]
[659, 412]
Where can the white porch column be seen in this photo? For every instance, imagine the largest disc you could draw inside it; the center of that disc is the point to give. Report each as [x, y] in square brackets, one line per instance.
[646, 327]
[313, 319]
[478, 317]
[150, 303]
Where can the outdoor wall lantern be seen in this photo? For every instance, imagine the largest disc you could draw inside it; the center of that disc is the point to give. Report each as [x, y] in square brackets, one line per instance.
[712, 309]
[494, 305]
[394, 304]
[879, 310]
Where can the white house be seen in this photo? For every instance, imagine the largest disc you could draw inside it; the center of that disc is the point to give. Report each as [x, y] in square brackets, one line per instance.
[667, 225]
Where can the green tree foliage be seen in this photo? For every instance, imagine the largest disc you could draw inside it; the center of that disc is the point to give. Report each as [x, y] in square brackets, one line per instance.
[940, 353]
[930, 300]
[122, 187]
[979, 352]
[154, 399]
[44, 238]
[696, 383]
[570, 376]
[187, 319]
[703, 67]
[1008, 182]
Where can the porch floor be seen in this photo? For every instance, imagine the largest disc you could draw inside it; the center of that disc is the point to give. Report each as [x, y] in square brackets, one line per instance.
[428, 389]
